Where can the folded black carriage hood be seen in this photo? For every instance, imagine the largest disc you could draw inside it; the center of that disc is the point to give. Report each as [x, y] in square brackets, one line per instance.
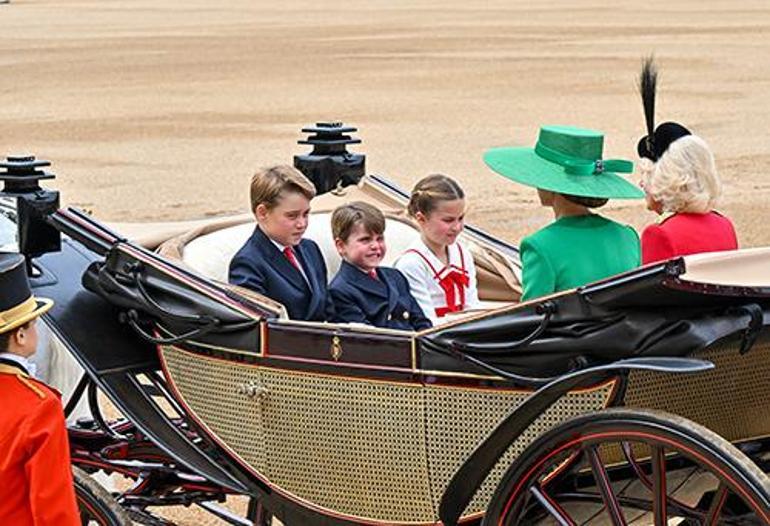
[657, 310]
[112, 354]
[650, 311]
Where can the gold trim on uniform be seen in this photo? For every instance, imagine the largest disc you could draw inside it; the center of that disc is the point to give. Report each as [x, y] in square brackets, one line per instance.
[26, 381]
[22, 377]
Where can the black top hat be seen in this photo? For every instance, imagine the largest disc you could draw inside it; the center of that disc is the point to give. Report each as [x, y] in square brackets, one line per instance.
[17, 304]
[653, 145]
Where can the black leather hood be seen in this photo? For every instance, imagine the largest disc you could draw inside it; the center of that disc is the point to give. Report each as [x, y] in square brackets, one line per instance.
[650, 311]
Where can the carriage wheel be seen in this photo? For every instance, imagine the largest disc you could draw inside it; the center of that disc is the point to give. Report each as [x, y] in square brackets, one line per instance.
[670, 469]
[96, 505]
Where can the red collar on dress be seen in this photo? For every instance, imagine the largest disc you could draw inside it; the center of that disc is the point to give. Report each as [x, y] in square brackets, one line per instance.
[452, 279]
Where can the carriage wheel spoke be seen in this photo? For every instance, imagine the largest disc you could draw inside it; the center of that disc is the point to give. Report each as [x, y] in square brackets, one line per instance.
[659, 490]
[628, 452]
[520, 510]
[551, 506]
[715, 510]
[605, 488]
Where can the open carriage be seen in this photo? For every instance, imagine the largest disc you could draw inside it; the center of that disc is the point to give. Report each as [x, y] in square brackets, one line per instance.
[640, 399]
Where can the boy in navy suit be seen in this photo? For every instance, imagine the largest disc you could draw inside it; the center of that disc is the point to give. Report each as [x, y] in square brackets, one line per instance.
[276, 261]
[362, 291]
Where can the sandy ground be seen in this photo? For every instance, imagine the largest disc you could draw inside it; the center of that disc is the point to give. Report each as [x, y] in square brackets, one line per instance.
[158, 110]
[161, 110]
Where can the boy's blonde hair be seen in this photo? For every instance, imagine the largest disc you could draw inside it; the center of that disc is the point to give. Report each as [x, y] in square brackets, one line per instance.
[267, 185]
[685, 177]
[430, 190]
[346, 217]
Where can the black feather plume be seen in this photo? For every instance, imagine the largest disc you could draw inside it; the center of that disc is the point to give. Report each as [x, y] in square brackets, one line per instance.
[648, 80]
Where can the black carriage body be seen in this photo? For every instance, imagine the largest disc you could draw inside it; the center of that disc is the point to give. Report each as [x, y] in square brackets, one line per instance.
[271, 397]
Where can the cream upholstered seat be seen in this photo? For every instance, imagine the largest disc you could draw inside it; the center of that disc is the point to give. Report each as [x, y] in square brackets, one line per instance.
[210, 254]
[207, 246]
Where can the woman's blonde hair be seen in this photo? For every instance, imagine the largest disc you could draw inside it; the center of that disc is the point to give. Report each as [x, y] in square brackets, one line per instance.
[430, 190]
[685, 178]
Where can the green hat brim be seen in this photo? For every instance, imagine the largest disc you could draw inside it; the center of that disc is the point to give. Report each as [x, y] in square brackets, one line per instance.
[524, 166]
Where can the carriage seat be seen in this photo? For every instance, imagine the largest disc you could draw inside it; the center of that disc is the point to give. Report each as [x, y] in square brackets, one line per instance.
[210, 254]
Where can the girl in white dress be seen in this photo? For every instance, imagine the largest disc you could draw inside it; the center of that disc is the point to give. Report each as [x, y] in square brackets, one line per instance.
[440, 271]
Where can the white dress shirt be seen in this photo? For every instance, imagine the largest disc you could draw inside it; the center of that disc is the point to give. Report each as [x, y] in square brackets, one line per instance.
[281, 249]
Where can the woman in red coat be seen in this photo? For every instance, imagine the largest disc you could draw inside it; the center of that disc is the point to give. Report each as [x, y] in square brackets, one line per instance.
[679, 178]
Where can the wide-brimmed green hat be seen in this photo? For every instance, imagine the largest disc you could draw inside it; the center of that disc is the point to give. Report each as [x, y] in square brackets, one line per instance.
[566, 160]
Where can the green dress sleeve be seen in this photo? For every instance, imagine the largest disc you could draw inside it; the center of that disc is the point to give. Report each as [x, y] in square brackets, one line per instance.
[537, 274]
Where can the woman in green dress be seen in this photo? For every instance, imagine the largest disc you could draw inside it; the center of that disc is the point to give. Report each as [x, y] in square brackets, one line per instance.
[579, 247]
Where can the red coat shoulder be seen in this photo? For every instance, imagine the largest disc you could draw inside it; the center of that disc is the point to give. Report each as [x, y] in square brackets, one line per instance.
[34, 459]
[33, 401]
[656, 244]
[688, 233]
[25, 388]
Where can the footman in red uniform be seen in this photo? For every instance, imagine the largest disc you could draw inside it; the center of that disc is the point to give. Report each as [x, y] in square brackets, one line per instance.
[35, 475]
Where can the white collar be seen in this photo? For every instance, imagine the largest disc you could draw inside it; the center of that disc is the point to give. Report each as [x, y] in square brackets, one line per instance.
[279, 246]
[30, 367]
[452, 255]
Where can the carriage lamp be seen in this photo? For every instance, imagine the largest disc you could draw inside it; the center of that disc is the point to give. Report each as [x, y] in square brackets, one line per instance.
[22, 176]
[330, 166]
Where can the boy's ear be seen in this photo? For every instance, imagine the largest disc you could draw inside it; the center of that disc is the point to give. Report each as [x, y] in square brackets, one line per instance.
[339, 244]
[260, 211]
[20, 336]
[384, 245]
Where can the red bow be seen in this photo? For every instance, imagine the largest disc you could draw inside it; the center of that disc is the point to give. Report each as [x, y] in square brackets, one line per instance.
[453, 283]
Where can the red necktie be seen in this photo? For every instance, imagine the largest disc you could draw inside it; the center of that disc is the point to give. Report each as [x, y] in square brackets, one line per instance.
[373, 274]
[289, 252]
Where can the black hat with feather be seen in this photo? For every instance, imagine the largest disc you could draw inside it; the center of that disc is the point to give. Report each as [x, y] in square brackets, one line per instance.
[653, 145]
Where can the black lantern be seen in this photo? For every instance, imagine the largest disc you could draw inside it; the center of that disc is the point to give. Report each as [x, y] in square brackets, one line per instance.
[22, 176]
[330, 166]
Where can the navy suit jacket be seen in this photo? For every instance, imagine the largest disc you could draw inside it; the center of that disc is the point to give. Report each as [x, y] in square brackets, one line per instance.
[261, 267]
[383, 302]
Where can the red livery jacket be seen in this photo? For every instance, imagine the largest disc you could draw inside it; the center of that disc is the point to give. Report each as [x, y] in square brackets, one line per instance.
[35, 475]
[683, 234]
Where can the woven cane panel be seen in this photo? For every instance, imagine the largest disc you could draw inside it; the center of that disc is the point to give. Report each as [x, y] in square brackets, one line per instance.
[458, 419]
[377, 450]
[731, 400]
[350, 445]
[212, 389]
[353, 446]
